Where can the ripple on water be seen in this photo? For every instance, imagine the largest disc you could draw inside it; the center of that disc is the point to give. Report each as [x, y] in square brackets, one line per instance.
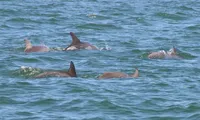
[170, 16]
[193, 27]
[8, 100]
[24, 113]
[187, 8]
[96, 26]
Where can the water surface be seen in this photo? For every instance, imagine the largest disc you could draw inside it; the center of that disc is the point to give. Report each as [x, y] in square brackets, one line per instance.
[166, 89]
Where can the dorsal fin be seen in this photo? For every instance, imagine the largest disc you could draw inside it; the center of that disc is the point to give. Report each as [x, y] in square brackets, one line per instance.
[172, 51]
[136, 74]
[72, 70]
[28, 44]
[75, 40]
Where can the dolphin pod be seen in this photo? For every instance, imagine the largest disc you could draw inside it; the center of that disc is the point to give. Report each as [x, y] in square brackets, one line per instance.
[30, 48]
[109, 75]
[70, 73]
[77, 45]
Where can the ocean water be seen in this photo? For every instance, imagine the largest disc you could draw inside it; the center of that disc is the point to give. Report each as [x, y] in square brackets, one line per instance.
[166, 89]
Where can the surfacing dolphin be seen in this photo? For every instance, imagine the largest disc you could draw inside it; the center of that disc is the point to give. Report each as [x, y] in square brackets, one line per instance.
[77, 44]
[70, 73]
[30, 48]
[171, 54]
[109, 75]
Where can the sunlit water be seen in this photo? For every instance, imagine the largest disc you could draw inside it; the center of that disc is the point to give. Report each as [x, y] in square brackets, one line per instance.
[129, 30]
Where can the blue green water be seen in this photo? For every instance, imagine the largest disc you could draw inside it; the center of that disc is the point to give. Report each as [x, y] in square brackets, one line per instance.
[165, 90]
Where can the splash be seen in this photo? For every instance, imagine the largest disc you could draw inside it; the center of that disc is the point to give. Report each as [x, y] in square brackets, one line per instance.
[92, 15]
[28, 71]
[107, 47]
[57, 49]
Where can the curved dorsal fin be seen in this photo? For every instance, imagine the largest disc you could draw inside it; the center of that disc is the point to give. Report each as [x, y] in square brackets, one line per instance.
[72, 70]
[28, 44]
[172, 51]
[136, 74]
[75, 40]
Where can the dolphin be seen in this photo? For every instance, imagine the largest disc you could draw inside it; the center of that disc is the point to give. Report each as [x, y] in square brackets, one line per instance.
[77, 44]
[70, 73]
[171, 54]
[30, 48]
[109, 75]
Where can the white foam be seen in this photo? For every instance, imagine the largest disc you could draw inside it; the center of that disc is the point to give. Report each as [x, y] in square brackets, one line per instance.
[72, 48]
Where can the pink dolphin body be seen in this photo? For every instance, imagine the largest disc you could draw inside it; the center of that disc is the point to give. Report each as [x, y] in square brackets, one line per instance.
[109, 75]
[171, 54]
[30, 48]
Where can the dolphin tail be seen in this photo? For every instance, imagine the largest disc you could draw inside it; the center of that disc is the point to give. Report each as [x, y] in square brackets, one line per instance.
[28, 44]
[136, 74]
[72, 70]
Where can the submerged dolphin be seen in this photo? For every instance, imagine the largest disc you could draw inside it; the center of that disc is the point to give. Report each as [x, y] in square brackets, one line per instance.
[30, 48]
[77, 44]
[171, 54]
[108, 75]
[70, 73]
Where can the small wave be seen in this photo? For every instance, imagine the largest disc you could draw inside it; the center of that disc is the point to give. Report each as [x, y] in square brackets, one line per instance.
[4, 26]
[193, 107]
[31, 59]
[8, 11]
[170, 16]
[6, 100]
[23, 20]
[24, 113]
[46, 101]
[194, 116]
[185, 55]
[186, 8]
[193, 27]
[96, 26]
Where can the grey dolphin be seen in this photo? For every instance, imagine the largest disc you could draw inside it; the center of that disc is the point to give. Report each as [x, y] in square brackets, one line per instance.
[30, 48]
[171, 54]
[70, 73]
[77, 44]
[109, 75]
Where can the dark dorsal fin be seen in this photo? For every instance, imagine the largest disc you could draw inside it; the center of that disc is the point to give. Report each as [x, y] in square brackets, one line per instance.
[172, 51]
[75, 40]
[72, 70]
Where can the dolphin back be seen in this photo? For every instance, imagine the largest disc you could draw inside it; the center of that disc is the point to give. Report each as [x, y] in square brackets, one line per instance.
[110, 75]
[70, 73]
[37, 49]
[30, 48]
